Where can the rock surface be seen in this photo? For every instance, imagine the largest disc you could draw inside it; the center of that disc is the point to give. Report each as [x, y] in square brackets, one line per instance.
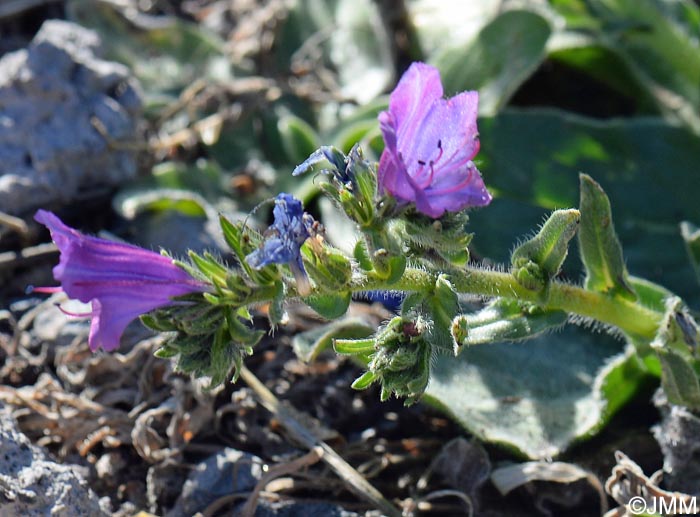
[231, 471]
[227, 472]
[53, 96]
[678, 435]
[33, 485]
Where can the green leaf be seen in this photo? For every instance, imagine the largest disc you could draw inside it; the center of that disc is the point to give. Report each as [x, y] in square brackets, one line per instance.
[350, 134]
[439, 309]
[442, 307]
[364, 381]
[533, 398]
[501, 57]
[531, 161]
[601, 251]
[330, 306]
[276, 313]
[221, 360]
[211, 268]
[361, 255]
[650, 294]
[131, 202]
[307, 345]
[240, 333]
[676, 345]
[197, 320]
[353, 346]
[159, 324]
[447, 236]
[505, 320]
[364, 179]
[360, 50]
[298, 138]
[164, 56]
[233, 235]
[326, 266]
[166, 352]
[395, 266]
[243, 241]
[679, 379]
[656, 43]
[691, 236]
[433, 21]
[199, 181]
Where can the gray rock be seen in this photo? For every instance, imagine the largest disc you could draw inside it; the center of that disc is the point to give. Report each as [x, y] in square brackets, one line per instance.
[287, 509]
[33, 485]
[678, 435]
[227, 472]
[50, 95]
[463, 465]
[234, 472]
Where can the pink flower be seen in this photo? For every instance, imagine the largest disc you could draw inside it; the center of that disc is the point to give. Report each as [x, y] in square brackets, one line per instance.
[429, 145]
[122, 281]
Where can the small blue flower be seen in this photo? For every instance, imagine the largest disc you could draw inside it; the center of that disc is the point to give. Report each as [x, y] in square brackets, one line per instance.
[392, 300]
[324, 154]
[284, 238]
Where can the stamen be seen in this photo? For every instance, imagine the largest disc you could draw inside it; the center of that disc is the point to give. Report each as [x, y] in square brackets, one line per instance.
[458, 186]
[75, 314]
[430, 164]
[46, 290]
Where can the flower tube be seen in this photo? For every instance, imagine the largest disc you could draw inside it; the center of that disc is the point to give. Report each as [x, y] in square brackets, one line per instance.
[121, 281]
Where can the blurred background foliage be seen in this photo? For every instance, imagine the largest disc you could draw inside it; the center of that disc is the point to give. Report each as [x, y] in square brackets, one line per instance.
[238, 93]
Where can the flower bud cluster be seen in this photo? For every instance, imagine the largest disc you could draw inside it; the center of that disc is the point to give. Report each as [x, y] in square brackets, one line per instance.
[399, 358]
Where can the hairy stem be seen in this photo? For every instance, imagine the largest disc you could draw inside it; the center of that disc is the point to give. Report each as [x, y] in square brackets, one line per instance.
[630, 317]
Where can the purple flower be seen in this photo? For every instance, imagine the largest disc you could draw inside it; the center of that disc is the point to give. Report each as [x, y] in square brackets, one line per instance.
[429, 145]
[122, 281]
[284, 238]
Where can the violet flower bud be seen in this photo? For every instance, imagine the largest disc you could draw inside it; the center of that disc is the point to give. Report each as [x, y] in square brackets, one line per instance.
[429, 145]
[120, 280]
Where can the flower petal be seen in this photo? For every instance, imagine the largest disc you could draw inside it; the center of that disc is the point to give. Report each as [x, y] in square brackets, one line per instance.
[284, 238]
[89, 267]
[393, 177]
[429, 145]
[448, 138]
[471, 191]
[108, 324]
[412, 98]
[120, 304]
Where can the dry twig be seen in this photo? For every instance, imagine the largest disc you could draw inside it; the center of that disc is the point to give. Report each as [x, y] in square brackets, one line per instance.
[297, 431]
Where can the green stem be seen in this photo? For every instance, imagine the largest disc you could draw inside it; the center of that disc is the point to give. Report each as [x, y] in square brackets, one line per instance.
[630, 317]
